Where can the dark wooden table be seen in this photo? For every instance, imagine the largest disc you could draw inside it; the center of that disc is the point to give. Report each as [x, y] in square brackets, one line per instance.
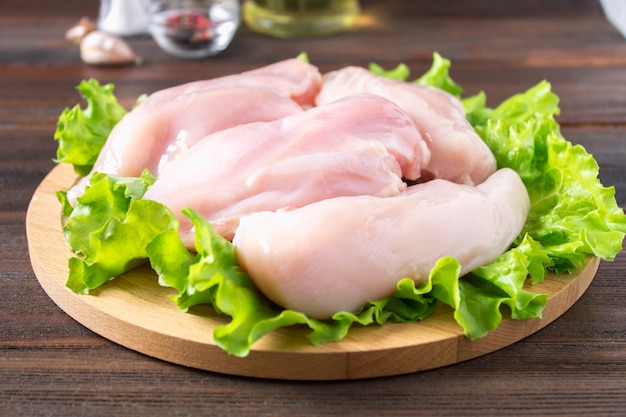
[51, 365]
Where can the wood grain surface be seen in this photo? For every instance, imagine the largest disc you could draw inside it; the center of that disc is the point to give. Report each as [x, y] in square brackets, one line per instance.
[51, 365]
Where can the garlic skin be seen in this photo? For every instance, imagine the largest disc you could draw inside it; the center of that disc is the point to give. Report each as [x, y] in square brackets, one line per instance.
[76, 33]
[100, 48]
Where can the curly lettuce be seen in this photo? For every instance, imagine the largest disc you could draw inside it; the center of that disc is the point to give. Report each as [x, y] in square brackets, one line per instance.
[112, 230]
[81, 133]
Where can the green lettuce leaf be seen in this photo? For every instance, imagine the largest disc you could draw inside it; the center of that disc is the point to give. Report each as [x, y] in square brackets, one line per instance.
[437, 76]
[572, 214]
[81, 133]
[572, 217]
[399, 73]
[109, 229]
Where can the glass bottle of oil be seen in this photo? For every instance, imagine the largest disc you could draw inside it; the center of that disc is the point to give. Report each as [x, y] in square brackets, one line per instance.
[299, 18]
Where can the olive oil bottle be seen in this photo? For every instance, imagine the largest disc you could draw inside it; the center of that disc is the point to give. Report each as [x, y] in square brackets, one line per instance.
[300, 18]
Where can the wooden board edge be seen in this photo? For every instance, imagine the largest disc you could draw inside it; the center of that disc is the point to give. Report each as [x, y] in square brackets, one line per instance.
[335, 361]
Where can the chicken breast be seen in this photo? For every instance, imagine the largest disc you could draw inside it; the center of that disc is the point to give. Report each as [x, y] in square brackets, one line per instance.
[361, 145]
[174, 119]
[458, 154]
[337, 254]
[293, 78]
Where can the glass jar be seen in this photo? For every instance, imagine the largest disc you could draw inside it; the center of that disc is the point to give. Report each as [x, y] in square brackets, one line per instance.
[193, 28]
[298, 18]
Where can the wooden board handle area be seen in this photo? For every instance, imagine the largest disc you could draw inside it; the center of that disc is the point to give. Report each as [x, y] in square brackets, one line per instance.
[134, 311]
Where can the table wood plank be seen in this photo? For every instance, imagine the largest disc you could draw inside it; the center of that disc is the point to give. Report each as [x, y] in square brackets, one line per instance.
[51, 365]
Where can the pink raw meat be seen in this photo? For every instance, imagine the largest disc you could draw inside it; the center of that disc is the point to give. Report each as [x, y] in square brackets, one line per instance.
[457, 153]
[361, 145]
[337, 254]
[174, 119]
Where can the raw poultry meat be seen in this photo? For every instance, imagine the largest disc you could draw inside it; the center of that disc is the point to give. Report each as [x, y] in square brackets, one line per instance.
[339, 253]
[155, 133]
[173, 120]
[457, 153]
[363, 144]
[292, 78]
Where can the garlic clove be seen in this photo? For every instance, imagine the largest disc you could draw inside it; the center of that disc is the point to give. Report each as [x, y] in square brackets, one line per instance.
[100, 48]
[76, 33]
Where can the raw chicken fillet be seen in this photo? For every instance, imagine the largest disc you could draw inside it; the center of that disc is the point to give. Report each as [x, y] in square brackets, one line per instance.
[457, 153]
[363, 144]
[337, 254]
[172, 120]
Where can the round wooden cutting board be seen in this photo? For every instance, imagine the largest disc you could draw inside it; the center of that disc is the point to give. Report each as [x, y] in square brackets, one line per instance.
[134, 311]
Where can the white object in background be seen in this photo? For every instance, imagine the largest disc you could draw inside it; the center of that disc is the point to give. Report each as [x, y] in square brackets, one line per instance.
[615, 11]
[123, 17]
